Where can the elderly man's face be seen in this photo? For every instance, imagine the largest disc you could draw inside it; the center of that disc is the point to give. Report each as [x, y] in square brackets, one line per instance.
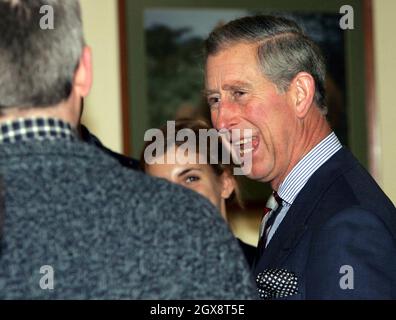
[240, 97]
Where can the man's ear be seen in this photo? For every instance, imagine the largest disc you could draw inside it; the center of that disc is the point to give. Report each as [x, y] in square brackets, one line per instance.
[302, 91]
[83, 75]
[227, 184]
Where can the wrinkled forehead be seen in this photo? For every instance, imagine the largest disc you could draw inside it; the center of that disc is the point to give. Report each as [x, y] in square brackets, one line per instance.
[231, 66]
[231, 74]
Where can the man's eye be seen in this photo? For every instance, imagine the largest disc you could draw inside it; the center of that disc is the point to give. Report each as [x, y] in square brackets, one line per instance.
[191, 179]
[213, 101]
[238, 94]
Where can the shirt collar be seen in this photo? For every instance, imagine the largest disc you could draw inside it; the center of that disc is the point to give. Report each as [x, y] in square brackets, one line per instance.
[306, 167]
[26, 129]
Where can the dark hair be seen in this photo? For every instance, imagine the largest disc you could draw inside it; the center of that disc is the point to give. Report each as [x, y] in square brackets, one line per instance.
[218, 168]
[283, 50]
[37, 66]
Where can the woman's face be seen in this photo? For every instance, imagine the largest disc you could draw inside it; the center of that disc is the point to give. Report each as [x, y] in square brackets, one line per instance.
[198, 177]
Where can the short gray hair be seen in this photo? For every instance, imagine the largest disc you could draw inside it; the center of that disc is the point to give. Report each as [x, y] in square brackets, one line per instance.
[37, 66]
[283, 50]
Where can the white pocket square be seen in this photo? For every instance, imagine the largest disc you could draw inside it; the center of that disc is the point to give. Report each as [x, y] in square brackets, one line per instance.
[276, 283]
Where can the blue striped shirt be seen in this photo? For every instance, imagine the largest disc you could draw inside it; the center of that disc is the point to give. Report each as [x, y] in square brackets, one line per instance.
[300, 174]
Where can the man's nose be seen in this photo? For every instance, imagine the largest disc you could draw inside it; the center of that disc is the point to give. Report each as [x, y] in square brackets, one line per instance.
[225, 116]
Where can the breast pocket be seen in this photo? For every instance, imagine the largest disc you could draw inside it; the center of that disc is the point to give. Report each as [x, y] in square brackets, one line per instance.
[277, 284]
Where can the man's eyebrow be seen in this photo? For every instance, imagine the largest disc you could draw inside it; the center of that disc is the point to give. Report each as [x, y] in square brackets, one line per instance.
[208, 92]
[237, 85]
[232, 86]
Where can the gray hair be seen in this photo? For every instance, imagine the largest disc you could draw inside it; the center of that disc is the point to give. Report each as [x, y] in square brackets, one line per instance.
[37, 66]
[283, 50]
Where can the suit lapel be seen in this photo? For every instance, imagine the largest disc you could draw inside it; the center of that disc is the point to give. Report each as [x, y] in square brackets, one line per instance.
[294, 224]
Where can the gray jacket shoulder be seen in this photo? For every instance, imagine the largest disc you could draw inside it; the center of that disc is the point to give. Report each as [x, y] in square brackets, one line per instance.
[110, 232]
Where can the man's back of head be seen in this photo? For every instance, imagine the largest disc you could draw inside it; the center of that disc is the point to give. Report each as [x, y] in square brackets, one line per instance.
[37, 65]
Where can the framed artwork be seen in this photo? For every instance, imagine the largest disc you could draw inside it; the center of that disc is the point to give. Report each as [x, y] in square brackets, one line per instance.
[163, 65]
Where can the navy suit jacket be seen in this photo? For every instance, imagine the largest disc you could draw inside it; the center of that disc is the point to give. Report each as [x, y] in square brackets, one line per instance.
[338, 237]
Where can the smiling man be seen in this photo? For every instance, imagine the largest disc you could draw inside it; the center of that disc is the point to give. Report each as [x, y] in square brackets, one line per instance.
[264, 74]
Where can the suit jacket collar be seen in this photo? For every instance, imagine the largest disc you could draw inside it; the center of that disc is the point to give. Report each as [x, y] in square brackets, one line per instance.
[295, 222]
